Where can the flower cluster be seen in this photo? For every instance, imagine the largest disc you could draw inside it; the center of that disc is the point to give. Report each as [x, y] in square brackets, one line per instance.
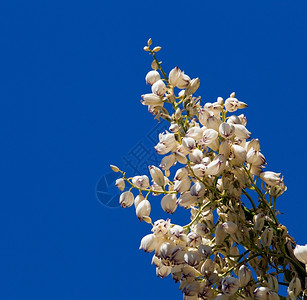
[234, 246]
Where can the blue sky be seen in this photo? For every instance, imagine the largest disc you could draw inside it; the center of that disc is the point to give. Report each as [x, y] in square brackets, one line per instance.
[71, 76]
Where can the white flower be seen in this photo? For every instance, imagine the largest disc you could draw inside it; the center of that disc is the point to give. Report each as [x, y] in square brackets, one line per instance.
[126, 199]
[141, 182]
[239, 154]
[192, 258]
[229, 227]
[230, 285]
[148, 243]
[161, 228]
[167, 162]
[204, 250]
[169, 203]
[152, 77]
[209, 136]
[194, 239]
[181, 173]
[186, 200]
[165, 250]
[213, 122]
[152, 99]
[241, 132]
[120, 183]
[178, 78]
[217, 166]
[143, 209]
[188, 143]
[191, 289]
[226, 130]
[261, 293]
[183, 185]
[300, 253]
[196, 156]
[271, 178]
[245, 275]
[220, 235]
[198, 189]
[195, 133]
[159, 88]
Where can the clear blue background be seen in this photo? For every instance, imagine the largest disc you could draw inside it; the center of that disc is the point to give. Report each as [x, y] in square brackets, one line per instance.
[71, 76]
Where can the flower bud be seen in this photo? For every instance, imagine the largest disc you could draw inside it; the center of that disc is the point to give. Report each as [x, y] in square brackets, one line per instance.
[245, 275]
[169, 203]
[300, 253]
[258, 222]
[192, 87]
[159, 88]
[114, 168]
[229, 227]
[126, 199]
[141, 182]
[120, 183]
[148, 243]
[294, 288]
[272, 283]
[157, 175]
[220, 235]
[226, 130]
[266, 237]
[143, 209]
[152, 77]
